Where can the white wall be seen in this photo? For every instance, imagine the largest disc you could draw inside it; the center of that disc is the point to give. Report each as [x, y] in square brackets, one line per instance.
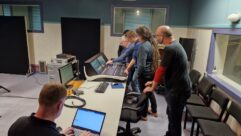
[203, 37]
[44, 46]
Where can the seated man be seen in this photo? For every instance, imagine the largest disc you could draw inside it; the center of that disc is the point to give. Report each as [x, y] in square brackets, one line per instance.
[41, 123]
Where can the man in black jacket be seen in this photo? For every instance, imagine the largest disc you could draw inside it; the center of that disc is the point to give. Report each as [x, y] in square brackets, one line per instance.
[174, 68]
[41, 123]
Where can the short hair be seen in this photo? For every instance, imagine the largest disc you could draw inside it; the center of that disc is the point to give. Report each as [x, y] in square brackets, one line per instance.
[131, 34]
[167, 33]
[51, 94]
[166, 30]
[125, 31]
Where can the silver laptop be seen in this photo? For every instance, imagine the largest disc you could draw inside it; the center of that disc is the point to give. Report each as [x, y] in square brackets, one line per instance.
[88, 120]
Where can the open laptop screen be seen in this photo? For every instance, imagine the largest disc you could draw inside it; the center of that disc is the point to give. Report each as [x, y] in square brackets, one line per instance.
[90, 120]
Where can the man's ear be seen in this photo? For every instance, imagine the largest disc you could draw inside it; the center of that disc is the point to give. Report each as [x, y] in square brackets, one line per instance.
[60, 105]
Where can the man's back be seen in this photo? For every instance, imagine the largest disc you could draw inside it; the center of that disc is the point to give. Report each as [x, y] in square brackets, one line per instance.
[176, 75]
[32, 126]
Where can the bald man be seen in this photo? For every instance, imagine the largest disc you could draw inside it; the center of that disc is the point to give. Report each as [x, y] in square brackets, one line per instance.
[174, 68]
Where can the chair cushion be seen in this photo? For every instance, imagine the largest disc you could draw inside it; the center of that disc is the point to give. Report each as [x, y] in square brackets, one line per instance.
[202, 112]
[129, 116]
[195, 100]
[213, 128]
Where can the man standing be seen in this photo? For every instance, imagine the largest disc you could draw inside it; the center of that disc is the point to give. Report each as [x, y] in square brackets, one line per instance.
[41, 123]
[174, 68]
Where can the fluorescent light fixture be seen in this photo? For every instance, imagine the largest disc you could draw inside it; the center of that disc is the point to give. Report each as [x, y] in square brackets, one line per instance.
[138, 12]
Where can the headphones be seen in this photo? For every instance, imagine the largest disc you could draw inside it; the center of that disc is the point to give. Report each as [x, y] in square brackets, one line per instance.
[73, 97]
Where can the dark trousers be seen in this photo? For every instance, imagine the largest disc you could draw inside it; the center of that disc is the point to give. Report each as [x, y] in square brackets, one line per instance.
[130, 76]
[175, 106]
[151, 97]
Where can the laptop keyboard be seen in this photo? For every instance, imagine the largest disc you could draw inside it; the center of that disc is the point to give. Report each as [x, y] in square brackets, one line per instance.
[78, 132]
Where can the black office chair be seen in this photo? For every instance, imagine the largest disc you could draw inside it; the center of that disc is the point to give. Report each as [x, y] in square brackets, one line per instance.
[202, 112]
[194, 76]
[214, 128]
[133, 105]
[204, 89]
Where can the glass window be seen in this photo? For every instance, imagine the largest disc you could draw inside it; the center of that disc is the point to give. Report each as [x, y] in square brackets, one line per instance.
[32, 14]
[132, 17]
[227, 59]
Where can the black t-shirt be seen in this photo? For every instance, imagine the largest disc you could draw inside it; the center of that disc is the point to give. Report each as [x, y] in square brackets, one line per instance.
[175, 61]
[32, 126]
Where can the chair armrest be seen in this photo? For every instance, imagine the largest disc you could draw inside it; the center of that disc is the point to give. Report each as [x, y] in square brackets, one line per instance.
[131, 108]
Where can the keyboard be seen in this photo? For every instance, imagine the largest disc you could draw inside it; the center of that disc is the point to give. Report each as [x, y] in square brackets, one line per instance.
[115, 70]
[78, 132]
[102, 87]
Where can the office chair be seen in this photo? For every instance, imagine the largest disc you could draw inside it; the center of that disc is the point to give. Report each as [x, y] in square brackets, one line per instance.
[1, 87]
[194, 76]
[207, 113]
[214, 128]
[204, 89]
[133, 105]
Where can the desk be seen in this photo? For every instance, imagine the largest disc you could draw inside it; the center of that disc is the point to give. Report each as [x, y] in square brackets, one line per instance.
[109, 102]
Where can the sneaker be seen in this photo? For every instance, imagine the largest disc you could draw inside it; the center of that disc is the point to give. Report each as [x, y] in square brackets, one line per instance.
[144, 118]
[152, 113]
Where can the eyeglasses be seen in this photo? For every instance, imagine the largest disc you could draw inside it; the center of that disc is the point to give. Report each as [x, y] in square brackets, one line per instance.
[157, 35]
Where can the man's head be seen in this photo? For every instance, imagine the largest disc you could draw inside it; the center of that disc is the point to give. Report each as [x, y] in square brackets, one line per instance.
[51, 99]
[164, 35]
[131, 36]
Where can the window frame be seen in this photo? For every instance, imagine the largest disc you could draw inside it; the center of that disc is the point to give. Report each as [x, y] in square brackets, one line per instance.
[28, 3]
[133, 5]
[228, 88]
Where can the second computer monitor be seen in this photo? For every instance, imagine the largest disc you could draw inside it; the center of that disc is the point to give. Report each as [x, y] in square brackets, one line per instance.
[66, 74]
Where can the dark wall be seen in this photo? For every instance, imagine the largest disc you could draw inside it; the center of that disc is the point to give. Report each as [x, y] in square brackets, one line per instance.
[13, 45]
[80, 37]
[53, 10]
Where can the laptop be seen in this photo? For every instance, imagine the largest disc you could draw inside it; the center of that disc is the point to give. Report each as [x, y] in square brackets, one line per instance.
[88, 120]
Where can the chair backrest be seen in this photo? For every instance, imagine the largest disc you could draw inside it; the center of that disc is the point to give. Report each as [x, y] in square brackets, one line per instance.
[205, 87]
[221, 99]
[194, 76]
[142, 99]
[235, 111]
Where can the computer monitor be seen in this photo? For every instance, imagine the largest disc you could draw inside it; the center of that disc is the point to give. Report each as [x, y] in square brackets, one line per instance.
[101, 60]
[96, 65]
[66, 74]
[90, 120]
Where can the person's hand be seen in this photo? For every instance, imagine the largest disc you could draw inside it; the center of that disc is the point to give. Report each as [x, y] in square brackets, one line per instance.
[68, 131]
[149, 83]
[148, 89]
[86, 133]
[109, 62]
[126, 71]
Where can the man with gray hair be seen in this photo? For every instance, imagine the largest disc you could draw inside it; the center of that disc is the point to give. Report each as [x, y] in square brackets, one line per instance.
[174, 68]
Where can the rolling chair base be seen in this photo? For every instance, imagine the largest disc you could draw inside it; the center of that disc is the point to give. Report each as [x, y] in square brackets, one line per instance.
[128, 132]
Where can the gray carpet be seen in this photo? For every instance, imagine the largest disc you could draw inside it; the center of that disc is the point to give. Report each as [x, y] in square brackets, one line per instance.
[11, 108]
